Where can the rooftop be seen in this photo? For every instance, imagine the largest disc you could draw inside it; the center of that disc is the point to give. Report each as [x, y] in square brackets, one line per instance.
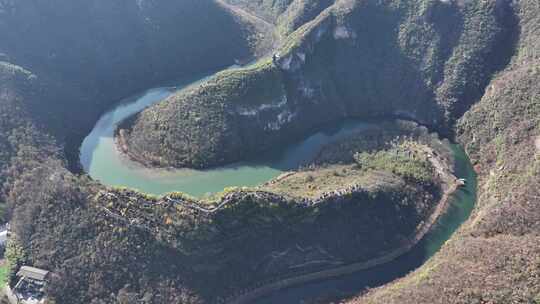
[33, 273]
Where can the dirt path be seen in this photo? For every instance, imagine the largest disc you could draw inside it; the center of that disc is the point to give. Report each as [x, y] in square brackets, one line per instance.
[267, 39]
[242, 12]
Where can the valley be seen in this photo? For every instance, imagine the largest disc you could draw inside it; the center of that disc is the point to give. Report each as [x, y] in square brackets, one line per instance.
[288, 151]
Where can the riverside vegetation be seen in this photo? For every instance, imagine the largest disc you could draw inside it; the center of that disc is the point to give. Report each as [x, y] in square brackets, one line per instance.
[469, 69]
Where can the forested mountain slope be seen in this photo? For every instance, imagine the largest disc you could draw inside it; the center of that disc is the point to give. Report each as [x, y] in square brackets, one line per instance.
[423, 60]
[495, 257]
[19, 136]
[93, 53]
[466, 67]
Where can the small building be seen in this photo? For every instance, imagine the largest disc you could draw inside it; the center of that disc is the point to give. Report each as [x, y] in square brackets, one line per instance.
[32, 273]
[30, 289]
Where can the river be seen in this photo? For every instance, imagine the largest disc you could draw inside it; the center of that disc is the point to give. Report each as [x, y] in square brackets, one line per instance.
[101, 159]
[103, 162]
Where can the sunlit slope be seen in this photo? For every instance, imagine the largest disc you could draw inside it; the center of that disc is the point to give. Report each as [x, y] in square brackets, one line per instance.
[495, 256]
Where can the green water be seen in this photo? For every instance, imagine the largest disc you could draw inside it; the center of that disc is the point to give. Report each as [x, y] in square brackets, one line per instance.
[460, 207]
[103, 162]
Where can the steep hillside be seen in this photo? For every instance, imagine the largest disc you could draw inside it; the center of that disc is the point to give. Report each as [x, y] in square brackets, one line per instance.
[425, 60]
[495, 258]
[53, 224]
[20, 138]
[107, 39]
[93, 53]
[95, 258]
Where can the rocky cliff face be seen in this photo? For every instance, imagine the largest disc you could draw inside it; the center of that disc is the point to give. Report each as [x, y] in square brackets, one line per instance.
[424, 60]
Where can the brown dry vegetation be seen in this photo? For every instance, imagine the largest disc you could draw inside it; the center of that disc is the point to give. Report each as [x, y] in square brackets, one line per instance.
[495, 257]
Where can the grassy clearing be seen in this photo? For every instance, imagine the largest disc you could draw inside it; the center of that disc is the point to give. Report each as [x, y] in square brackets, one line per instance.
[405, 160]
[313, 183]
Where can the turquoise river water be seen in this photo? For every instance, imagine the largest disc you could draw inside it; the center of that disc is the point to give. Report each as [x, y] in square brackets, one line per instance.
[102, 160]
